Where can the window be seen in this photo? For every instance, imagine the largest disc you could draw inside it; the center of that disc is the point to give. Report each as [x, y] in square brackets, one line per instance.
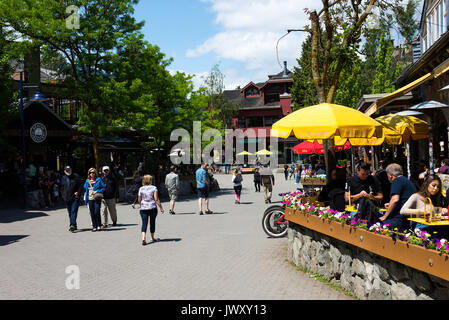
[242, 122]
[252, 91]
[437, 14]
[270, 120]
[255, 122]
[272, 97]
[442, 17]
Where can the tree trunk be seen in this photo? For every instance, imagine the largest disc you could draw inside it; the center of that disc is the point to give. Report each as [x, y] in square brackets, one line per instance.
[317, 79]
[96, 150]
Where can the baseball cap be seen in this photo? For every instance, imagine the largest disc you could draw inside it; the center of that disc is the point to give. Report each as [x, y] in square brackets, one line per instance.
[105, 168]
[66, 168]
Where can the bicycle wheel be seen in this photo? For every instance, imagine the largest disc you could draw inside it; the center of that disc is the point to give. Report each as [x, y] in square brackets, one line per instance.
[274, 223]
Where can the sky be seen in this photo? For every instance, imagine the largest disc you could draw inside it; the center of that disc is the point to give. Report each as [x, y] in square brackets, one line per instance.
[238, 35]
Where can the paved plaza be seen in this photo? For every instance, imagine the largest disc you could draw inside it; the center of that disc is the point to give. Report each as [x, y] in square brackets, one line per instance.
[211, 257]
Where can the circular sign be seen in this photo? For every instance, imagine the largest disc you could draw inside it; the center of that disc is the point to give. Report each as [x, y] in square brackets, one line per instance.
[38, 132]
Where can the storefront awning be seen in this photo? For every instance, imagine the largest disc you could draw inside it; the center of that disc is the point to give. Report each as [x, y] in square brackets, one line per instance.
[438, 71]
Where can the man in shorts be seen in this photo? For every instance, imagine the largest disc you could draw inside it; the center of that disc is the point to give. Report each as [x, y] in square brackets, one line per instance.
[172, 184]
[202, 187]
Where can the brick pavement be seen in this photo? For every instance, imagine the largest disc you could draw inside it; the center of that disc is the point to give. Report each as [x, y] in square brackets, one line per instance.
[222, 256]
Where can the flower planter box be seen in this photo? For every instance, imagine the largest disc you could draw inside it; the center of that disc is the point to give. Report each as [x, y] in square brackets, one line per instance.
[313, 181]
[417, 257]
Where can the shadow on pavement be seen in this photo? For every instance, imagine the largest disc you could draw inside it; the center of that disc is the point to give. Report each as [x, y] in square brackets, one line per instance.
[212, 195]
[5, 240]
[124, 225]
[182, 213]
[13, 215]
[166, 240]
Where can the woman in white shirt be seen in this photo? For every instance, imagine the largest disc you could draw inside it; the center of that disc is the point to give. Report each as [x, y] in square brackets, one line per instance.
[431, 188]
[148, 199]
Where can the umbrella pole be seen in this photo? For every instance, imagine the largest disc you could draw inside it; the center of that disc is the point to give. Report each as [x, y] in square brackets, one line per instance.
[352, 161]
[408, 158]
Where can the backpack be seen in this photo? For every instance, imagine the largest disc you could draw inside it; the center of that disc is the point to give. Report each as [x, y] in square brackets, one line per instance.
[367, 211]
[238, 178]
[266, 180]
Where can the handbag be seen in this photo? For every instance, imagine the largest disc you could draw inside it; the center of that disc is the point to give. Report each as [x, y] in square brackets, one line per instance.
[98, 195]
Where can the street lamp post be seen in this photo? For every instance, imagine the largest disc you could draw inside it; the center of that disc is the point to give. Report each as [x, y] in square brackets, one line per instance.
[37, 97]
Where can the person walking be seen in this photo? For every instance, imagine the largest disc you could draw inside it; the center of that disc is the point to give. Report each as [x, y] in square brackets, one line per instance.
[292, 170]
[93, 194]
[137, 179]
[286, 171]
[257, 179]
[110, 197]
[237, 181]
[71, 189]
[298, 173]
[173, 186]
[267, 179]
[149, 201]
[202, 188]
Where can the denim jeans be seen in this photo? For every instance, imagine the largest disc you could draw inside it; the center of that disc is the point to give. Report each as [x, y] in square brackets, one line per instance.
[394, 222]
[145, 214]
[94, 209]
[72, 208]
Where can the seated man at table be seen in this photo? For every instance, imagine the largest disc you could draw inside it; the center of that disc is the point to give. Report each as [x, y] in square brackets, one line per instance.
[401, 190]
[363, 185]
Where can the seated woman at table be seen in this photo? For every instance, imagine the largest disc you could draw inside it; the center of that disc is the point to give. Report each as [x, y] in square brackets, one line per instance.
[431, 188]
[334, 190]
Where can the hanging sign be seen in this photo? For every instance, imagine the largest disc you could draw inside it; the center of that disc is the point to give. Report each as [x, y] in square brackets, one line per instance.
[38, 132]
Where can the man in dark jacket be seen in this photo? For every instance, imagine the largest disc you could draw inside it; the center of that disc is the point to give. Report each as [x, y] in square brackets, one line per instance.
[71, 189]
[110, 197]
[267, 179]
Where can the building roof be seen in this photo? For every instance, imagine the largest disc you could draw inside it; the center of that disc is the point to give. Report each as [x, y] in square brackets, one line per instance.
[46, 74]
[236, 96]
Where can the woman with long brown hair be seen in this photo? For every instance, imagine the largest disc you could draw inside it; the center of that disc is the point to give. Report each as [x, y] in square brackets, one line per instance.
[431, 188]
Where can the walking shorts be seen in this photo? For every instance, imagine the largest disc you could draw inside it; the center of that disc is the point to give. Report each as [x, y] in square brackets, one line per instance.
[203, 193]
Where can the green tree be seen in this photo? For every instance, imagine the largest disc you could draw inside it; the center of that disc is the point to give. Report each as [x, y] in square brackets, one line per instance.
[407, 25]
[219, 107]
[303, 90]
[387, 71]
[350, 90]
[104, 24]
[7, 108]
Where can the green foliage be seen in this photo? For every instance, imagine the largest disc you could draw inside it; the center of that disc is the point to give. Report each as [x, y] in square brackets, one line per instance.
[386, 70]
[405, 20]
[303, 91]
[220, 108]
[350, 90]
[7, 109]
[104, 24]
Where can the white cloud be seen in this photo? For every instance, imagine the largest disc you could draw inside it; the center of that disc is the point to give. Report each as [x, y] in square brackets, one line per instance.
[249, 33]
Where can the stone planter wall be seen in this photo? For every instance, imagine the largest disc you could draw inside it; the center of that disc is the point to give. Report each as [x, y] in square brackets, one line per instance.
[367, 275]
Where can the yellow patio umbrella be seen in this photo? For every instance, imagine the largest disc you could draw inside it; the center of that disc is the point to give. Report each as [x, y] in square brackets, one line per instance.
[245, 153]
[264, 152]
[396, 130]
[408, 127]
[324, 121]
